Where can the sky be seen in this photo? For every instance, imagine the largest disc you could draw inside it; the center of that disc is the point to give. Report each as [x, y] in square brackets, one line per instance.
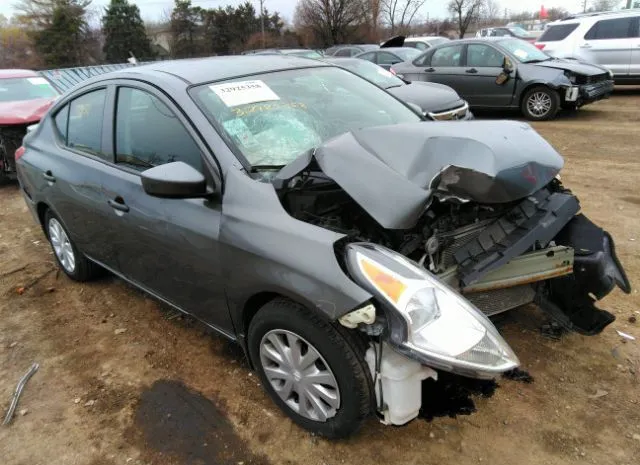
[155, 9]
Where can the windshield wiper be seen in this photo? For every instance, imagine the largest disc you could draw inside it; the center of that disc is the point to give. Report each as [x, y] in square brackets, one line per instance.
[394, 86]
[256, 168]
[537, 61]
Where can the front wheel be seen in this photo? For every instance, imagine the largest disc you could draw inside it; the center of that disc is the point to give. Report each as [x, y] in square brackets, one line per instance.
[540, 103]
[314, 371]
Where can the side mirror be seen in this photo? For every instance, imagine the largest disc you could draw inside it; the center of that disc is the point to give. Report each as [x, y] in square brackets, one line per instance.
[175, 180]
[507, 66]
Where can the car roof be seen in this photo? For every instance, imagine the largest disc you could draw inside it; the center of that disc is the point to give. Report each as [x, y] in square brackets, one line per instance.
[199, 70]
[594, 17]
[17, 73]
[423, 38]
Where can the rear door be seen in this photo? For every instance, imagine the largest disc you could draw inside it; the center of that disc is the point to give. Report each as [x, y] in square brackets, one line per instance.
[168, 246]
[68, 171]
[478, 84]
[444, 65]
[609, 43]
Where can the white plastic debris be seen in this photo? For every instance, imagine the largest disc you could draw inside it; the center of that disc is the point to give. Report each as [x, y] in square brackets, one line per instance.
[625, 335]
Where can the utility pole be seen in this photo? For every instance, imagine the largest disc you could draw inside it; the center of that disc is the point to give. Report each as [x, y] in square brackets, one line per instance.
[584, 6]
[262, 22]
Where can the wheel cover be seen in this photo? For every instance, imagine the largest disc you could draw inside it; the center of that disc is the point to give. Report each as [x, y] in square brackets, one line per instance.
[300, 375]
[539, 103]
[61, 245]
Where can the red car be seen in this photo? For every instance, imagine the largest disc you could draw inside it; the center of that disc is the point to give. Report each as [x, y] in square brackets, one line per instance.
[25, 97]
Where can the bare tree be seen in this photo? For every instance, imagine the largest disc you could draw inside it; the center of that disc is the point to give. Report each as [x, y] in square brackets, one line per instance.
[373, 17]
[330, 20]
[465, 12]
[398, 14]
[604, 5]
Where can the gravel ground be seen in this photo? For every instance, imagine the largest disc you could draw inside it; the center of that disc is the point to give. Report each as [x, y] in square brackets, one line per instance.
[122, 382]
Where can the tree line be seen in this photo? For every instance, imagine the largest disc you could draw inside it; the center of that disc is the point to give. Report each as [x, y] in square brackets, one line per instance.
[65, 33]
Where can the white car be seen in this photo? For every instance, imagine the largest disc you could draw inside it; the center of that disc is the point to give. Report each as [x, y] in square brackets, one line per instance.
[608, 39]
[425, 42]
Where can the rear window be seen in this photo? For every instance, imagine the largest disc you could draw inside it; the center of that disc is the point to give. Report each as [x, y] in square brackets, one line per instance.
[556, 33]
[611, 29]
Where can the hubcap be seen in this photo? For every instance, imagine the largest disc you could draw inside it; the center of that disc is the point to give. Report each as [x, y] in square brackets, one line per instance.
[298, 373]
[62, 245]
[539, 104]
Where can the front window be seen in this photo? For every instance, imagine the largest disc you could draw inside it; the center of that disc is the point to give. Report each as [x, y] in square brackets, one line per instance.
[273, 118]
[30, 88]
[374, 73]
[524, 51]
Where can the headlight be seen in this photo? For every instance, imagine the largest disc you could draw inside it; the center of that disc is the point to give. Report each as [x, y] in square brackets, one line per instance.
[610, 74]
[428, 320]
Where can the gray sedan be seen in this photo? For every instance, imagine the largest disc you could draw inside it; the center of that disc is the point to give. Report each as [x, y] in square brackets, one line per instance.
[510, 73]
[315, 219]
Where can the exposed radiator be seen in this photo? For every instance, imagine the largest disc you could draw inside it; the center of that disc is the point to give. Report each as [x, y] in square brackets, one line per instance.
[457, 238]
[501, 300]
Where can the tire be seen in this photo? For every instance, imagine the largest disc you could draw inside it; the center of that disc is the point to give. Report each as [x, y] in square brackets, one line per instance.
[540, 103]
[348, 396]
[69, 258]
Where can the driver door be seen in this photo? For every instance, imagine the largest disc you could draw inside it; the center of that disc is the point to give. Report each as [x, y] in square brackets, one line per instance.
[167, 246]
[478, 85]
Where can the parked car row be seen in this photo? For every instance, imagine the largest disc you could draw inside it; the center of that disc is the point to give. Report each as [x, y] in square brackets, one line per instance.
[350, 247]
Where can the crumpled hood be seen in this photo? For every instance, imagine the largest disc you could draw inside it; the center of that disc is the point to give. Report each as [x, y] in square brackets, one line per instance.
[575, 66]
[392, 172]
[24, 111]
[429, 96]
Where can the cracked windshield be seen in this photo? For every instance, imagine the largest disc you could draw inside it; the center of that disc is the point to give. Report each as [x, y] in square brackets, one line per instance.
[273, 118]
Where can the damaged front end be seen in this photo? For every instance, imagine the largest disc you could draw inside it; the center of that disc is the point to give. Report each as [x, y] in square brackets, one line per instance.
[444, 230]
[484, 212]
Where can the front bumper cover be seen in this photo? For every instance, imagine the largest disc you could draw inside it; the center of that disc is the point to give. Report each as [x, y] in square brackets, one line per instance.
[596, 272]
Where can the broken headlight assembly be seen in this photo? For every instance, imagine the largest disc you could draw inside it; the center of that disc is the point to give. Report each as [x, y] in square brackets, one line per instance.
[428, 321]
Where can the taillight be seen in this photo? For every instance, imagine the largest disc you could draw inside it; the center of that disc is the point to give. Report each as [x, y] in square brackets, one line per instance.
[20, 152]
[540, 46]
[392, 71]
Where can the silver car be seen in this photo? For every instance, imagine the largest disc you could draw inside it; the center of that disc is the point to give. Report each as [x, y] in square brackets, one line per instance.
[608, 39]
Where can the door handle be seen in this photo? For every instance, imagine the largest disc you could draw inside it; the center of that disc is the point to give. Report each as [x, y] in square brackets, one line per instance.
[585, 45]
[429, 70]
[471, 71]
[118, 204]
[48, 176]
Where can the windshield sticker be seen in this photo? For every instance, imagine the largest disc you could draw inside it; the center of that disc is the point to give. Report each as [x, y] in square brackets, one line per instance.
[520, 53]
[241, 93]
[38, 81]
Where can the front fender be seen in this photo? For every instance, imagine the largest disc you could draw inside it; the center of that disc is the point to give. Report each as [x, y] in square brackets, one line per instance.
[533, 75]
[264, 249]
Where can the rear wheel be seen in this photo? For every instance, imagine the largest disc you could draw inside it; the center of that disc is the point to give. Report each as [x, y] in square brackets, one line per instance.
[69, 258]
[314, 371]
[540, 103]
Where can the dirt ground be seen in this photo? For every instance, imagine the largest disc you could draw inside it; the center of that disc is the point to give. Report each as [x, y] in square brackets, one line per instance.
[123, 381]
